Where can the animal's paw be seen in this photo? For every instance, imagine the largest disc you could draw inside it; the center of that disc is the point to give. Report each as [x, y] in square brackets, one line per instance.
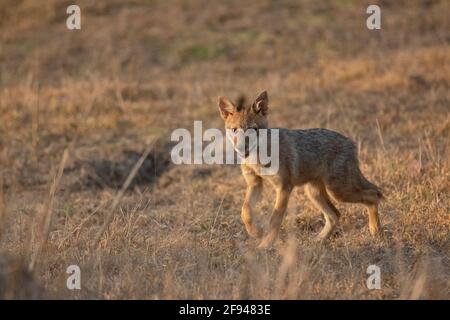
[266, 242]
[320, 238]
[375, 231]
[254, 231]
[378, 234]
[323, 236]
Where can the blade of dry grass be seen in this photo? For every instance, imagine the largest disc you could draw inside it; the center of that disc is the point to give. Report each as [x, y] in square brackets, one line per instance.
[78, 226]
[2, 206]
[380, 135]
[289, 258]
[46, 214]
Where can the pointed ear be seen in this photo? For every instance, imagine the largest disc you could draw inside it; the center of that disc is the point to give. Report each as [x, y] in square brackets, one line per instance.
[225, 107]
[261, 104]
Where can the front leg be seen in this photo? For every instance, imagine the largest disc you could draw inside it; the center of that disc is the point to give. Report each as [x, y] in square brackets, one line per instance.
[254, 189]
[283, 193]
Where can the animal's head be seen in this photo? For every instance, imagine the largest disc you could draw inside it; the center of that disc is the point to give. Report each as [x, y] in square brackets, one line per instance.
[241, 118]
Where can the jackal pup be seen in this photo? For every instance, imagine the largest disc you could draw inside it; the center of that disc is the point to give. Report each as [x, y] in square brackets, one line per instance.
[324, 161]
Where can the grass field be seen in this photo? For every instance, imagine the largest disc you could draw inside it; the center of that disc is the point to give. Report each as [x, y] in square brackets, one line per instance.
[78, 109]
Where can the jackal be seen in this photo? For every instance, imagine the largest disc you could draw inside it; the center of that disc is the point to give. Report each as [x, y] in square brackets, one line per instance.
[325, 161]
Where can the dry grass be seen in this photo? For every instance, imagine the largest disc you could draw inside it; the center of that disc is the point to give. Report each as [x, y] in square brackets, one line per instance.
[139, 69]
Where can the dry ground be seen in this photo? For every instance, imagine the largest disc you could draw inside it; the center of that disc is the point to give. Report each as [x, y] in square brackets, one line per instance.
[139, 69]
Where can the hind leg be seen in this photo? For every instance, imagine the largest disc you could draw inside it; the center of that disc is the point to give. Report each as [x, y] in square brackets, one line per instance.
[374, 220]
[319, 197]
[371, 199]
[365, 193]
